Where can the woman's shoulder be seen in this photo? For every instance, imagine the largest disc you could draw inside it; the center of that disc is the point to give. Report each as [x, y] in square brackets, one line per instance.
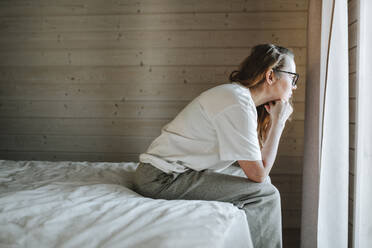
[228, 91]
[225, 95]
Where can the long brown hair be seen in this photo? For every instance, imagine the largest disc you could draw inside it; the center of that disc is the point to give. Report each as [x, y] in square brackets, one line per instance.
[251, 73]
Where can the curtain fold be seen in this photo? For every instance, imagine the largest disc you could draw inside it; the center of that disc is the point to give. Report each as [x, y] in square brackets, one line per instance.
[334, 153]
[362, 233]
[326, 163]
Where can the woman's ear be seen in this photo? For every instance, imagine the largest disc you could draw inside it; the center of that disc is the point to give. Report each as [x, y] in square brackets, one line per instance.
[269, 76]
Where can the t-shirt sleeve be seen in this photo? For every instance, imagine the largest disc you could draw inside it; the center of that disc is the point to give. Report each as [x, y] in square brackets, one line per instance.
[236, 129]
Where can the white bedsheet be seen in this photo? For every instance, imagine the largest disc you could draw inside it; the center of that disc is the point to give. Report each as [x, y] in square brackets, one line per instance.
[83, 204]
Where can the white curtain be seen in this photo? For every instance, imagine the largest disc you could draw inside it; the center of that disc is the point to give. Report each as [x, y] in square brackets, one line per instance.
[326, 163]
[362, 232]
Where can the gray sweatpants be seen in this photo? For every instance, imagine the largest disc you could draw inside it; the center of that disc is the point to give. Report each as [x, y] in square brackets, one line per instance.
[260, 201]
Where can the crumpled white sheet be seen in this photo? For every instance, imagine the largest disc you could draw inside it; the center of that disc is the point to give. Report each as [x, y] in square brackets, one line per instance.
[85, 204]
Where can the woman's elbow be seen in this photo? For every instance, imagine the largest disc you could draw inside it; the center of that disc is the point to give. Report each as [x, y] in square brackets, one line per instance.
[258, 178]
[254, 170]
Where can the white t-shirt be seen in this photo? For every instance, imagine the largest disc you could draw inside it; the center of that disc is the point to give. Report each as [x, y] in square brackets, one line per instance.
[213, 131]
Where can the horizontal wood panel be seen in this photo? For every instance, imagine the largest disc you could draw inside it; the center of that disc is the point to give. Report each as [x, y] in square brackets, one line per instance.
[291, 201]
[351, 161]
[352, 11]
[353, 26]
[69, 156]
[151, 39]
[291, 146]
[352, 135]
[104, 126]
[68, 143]
[107, 91]
[104, 109]
[351, 186]
[92, 7]
[291, 237]
[291, 218]
[117, 74]
[112, 91]
[287, 164]
[122, 74]
[83, 127]
[351, 211]
[192, 21]
[352, 85]
[352, 111]
[294, 129]
[350, 235]
[125, 144]
[353, 34]
[134, 57]
[352, 60]
[287, 183]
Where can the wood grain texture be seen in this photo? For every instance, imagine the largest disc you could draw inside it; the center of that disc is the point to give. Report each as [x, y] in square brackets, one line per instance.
[352, 59]
[352, 85]
[134, 57]
[150, 39]
[352, 110]
[104, 109]
[353, 42]
[352, 11]
[209, 74]
[112, 91]
[189, 21]
[352, 34]
[107, 7]
[351, 160]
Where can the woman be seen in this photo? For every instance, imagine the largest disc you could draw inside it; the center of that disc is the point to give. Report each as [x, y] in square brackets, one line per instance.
[241, 121]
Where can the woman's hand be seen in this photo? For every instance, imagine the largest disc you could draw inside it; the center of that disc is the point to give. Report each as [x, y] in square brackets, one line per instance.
[279, 110]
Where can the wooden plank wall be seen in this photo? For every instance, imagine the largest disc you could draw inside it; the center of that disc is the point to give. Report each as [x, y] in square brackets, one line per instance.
[353, 26]
[96, 80]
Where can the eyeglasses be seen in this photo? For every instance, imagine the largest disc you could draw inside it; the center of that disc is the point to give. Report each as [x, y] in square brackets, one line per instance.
[295, 76]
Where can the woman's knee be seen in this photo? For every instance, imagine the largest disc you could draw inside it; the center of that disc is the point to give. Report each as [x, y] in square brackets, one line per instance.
[274, 193]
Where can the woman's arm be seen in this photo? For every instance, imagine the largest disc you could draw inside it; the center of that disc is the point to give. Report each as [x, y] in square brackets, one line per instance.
[270, 147]
[258, 170]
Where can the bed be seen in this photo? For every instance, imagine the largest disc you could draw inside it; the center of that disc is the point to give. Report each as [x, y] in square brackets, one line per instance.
[86, 204]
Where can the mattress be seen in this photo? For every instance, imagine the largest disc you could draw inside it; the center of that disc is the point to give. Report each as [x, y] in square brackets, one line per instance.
[86, 204]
